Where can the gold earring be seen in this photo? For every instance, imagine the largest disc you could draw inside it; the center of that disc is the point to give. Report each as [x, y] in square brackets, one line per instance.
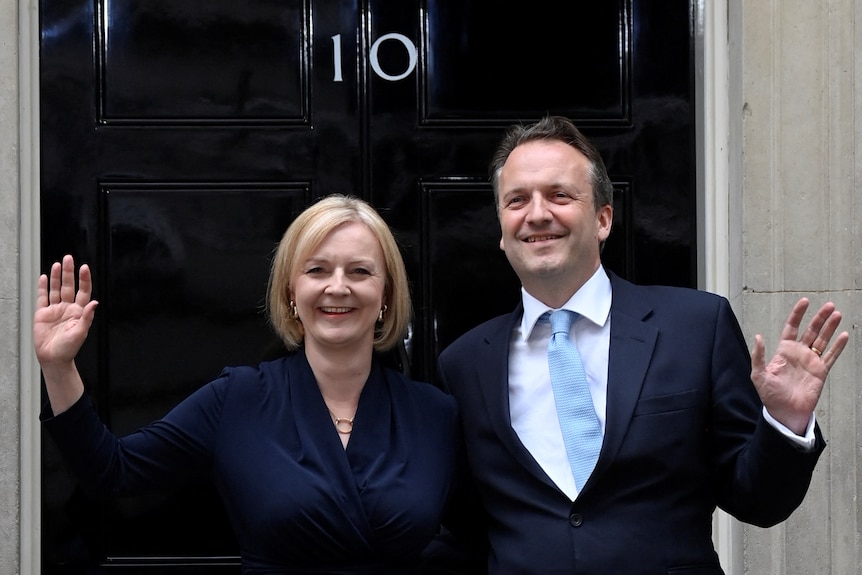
[293, 314]
[382, 312]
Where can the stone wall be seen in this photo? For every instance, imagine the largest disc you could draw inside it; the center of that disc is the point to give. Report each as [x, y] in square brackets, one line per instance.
[801, 72]
[9, 301]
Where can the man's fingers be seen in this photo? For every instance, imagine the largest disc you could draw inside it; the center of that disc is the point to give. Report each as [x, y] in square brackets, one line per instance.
[830, 356]
[791, 326]
[822, 331]
[757, 356]
[816, 326]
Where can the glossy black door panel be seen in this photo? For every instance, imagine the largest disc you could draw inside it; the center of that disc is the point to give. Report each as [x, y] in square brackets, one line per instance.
[179, 139]
[489, 61]
[220, 61]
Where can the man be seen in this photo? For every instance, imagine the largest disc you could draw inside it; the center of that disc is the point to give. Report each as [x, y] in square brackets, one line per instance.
[686, 419]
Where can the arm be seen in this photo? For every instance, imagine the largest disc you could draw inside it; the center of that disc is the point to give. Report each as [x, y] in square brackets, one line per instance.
[177, 446]
[764, 479]
[791, 383]
[461, 547]
[60, 325]
[760, 475]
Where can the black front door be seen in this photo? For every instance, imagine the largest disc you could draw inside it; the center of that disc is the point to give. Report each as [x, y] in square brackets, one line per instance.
[179, 139]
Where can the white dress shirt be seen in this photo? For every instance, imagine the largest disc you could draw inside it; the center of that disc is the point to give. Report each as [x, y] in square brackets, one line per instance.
[531, 398]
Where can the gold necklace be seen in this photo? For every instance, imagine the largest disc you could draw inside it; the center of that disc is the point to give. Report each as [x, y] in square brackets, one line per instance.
[343, 425]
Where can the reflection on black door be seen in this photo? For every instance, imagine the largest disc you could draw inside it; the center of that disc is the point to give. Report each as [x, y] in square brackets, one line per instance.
[180, 139]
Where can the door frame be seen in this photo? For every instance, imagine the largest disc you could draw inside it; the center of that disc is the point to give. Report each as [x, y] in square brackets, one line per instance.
[715, 243]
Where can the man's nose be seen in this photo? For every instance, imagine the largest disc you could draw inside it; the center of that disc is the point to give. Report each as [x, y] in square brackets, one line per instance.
[538, 211]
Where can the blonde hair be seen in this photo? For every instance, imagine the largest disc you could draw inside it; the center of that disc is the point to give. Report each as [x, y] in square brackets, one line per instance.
[303, 236]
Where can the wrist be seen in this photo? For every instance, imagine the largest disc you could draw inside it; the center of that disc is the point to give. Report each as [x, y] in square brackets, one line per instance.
[63, 384]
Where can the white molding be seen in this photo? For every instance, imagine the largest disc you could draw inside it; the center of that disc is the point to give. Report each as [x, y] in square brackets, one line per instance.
[713, 139]
[30, 508]
[712, 61]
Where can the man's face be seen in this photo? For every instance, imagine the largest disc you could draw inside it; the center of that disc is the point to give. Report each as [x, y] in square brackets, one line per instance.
[550, 227]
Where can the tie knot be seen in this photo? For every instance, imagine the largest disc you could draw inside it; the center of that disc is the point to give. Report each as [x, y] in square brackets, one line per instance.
[561, 321]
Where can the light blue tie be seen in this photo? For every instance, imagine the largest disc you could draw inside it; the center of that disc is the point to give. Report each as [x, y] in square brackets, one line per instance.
[582, 432]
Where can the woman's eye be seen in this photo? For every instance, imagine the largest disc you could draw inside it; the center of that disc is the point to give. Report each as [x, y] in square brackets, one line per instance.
[361, 271]
[314, 270]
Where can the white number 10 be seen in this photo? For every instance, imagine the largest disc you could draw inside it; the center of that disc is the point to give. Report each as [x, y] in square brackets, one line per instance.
[375, 64]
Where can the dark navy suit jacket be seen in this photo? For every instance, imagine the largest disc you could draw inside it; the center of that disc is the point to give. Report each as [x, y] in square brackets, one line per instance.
[684, 434]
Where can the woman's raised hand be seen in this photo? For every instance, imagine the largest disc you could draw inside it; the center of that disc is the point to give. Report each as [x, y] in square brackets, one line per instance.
[63, 315]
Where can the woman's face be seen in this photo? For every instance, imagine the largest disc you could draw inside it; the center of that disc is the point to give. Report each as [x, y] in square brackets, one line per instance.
[339, 288]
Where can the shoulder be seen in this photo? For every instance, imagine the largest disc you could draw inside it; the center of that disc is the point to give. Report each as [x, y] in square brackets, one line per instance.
[262, 377]
[696, 313]
[421, 391]
[487, 331]
[684, 300]
[269, 368]
[423, 394]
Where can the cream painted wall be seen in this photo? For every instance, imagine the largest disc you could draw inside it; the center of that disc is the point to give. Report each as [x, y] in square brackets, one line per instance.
[780, 211]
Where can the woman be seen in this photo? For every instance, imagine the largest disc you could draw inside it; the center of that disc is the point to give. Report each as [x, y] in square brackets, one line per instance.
[327, 462]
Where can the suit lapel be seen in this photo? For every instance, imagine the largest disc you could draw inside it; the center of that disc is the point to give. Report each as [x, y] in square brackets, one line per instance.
[492, 367]
[631, 348]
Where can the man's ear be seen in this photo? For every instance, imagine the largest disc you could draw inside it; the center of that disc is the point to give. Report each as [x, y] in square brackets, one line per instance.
[604, 221]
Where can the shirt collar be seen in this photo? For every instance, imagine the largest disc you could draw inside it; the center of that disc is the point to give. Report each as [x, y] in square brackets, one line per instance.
[592, 301]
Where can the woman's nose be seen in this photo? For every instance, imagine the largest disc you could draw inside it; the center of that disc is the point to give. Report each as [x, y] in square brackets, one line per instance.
[337, 284]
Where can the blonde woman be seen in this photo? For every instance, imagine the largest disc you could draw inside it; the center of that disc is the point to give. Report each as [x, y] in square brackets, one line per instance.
[327, 461]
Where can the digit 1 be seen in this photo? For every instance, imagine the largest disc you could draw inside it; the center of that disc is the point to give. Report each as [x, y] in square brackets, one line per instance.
[336, 45]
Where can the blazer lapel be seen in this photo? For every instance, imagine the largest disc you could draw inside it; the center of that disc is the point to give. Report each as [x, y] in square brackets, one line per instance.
[492, 367]
[631, 348]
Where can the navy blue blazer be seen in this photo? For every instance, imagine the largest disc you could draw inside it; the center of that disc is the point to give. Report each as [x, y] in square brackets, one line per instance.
[684, 434]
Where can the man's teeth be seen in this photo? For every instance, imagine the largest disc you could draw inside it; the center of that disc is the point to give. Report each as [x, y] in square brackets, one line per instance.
[540, 239]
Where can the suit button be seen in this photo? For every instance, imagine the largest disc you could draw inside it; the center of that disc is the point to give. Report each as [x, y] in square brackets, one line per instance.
[576, 519]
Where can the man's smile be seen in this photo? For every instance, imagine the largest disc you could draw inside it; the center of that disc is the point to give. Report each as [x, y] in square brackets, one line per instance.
[534, 239]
